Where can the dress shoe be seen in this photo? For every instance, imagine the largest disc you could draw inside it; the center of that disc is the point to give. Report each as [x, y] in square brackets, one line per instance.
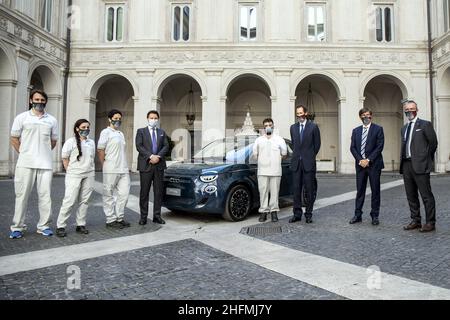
[82, 230]
[427, 227]
[263, 217]
[309, 220]
[355, 219]
[413, 225]
[375, 221]
[61, 232]
[124, 224]
[142, 222]
[158, 220]
[295, 219]
[274, 216]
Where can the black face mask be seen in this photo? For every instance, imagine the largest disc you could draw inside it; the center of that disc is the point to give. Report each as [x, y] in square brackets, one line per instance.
[85, 133]
[39, 107]
[116, 123]
[366, 120]
[301, 119]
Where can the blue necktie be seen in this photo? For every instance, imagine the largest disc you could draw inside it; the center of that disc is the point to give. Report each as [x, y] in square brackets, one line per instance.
[154, 144]
[363, 143]
[301, 133]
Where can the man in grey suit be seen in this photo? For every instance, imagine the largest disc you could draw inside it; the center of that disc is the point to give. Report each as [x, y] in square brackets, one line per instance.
[419, 144]
[152, 145]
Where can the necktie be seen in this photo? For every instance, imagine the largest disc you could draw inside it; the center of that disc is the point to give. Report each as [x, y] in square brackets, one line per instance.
[154, 144]
[301, 133]
[363, 143]
[407, 151]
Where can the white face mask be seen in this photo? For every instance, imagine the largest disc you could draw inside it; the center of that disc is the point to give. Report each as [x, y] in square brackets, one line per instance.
[153, 123]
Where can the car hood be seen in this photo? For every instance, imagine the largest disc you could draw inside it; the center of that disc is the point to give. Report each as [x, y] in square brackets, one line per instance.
[195, 169]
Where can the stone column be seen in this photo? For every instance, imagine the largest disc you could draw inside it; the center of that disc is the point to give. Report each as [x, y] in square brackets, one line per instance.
[142, 105]
[442, 160]
[213, 108]
[7, 105]
[283, 106]
[54, 107]
[349, 106]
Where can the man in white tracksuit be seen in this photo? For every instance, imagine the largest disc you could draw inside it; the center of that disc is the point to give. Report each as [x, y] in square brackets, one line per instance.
[269, 149]
[116, 177]
[78, 155]
[33, 135]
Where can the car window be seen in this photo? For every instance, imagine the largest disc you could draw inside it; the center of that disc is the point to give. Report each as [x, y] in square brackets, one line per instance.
[236, 150]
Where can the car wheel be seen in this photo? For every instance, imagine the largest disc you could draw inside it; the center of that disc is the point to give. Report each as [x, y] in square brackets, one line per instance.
[238, 204]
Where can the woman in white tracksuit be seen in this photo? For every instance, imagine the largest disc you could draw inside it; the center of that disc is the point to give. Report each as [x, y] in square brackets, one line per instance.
[111, 150]
[78, 159]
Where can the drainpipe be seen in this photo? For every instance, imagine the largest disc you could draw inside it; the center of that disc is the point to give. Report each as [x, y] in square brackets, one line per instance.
[66, 72]
[430, 67]
[430, 60]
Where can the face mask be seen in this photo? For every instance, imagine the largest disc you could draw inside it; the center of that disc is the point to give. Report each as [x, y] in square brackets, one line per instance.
[116, 123]
[152, 123]
[39, 107]
[366, 120]
[85, 133]
[269, 131]
[410, 115]
[301, 119]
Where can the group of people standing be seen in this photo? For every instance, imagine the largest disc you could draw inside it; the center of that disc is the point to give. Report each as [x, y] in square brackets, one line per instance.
[34, 135]
[419, 144]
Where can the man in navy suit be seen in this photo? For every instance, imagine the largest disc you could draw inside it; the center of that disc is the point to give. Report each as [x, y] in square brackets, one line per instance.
[366, 147]
[305, 136]
[152, 145]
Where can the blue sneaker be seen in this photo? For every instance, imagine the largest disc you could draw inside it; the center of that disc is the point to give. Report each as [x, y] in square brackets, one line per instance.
[46, 233]
[16, 235]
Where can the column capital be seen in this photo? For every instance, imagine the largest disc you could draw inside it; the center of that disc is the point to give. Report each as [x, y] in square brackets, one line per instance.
[78, 72]
[157, 99]
[353, 72]
[90, 100]
[23, 53]
[214, 71]
[443, 98]
[8, 83]
[293, 98]
[273, 98]
[145, 72]
[223, 98]
[283, 71]
[57, 97]
[341, 100]
[419, 73]
[204, 98]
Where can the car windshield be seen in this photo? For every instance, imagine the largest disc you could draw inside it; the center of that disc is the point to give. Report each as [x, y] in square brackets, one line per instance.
[236, 150]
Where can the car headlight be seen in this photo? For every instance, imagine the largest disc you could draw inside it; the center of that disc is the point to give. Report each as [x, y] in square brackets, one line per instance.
[207, 178]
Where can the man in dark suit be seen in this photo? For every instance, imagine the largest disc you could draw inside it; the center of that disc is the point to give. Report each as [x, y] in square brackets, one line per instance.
[305, 136]
[419, 144]
[366, 147]
[152, 145]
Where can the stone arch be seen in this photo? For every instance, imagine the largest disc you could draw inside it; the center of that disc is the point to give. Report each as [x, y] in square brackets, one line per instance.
[232, 78]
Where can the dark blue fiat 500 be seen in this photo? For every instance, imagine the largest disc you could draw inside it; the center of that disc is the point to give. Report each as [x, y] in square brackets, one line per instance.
[220, 179]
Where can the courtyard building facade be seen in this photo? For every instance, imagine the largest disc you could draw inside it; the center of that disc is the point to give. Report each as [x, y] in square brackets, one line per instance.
[203, 64]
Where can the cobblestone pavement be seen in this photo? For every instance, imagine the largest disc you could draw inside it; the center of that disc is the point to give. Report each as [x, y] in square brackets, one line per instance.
[33, 241]
[178, 270]
[410, 254]
[189, 269]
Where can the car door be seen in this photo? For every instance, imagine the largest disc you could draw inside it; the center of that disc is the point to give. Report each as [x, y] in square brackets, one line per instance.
[286, 179]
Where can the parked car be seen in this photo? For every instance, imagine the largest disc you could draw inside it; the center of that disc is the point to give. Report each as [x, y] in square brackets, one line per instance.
[220, 179]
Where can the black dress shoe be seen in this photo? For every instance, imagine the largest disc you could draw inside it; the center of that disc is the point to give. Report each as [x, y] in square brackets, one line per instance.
[158, 220]
[375, 221]
[82, 230]
[309, 220]
[61, 232]
[355, 219]
[142, 222]
[295, 219]
[274, 216]
[263, 217]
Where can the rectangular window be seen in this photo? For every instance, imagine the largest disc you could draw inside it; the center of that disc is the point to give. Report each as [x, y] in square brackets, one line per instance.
[316, 22]
[247, 23]
[114, 23]
[384, 23]
[181, 22]
[46, 14]
[446, 15]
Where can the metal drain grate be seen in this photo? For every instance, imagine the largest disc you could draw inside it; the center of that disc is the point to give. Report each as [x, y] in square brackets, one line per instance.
[263, 231]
